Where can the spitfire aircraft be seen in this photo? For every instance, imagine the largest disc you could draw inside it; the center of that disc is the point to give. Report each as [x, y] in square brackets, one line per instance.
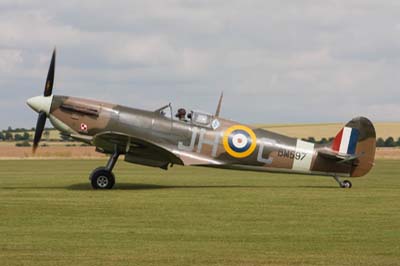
[161, 139]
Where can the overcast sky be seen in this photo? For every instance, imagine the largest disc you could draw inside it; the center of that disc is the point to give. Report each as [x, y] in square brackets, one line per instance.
[276, 61]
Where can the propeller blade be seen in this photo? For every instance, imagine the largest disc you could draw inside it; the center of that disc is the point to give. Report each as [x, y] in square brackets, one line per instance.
[48, 89]
[39, 130]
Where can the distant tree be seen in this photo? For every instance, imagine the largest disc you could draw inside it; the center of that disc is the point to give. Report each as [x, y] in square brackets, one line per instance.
[9, 128]
[26, 136]
[33, 129]
[323, 141]
[8, 136]
[24, 143]
[2, 137]
[18, 137]
[46, 134]
[311, 139]
[380, 142]
[389, 142]
[398, 142]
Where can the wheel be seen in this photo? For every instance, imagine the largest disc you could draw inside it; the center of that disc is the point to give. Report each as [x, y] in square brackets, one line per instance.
[101, 178]
[346, 184]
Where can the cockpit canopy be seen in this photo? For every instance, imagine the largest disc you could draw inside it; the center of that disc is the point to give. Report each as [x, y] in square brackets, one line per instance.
[201, 118]
[195, 117]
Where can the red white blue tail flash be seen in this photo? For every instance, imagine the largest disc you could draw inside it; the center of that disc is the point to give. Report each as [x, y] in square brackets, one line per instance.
[345, 141]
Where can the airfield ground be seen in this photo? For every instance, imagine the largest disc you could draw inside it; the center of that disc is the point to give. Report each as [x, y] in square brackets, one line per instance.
[77, 152]
[195, 216]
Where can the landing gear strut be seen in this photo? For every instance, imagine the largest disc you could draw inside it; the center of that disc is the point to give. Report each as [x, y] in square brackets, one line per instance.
[102, 177]
[344, 183]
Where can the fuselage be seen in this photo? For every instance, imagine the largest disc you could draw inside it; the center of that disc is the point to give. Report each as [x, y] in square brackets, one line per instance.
[204, 140]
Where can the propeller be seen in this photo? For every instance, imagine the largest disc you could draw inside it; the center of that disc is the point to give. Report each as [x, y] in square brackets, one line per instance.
[39, 130]
[48, 90]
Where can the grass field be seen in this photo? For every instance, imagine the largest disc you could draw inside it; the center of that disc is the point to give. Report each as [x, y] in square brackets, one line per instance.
[195, 216]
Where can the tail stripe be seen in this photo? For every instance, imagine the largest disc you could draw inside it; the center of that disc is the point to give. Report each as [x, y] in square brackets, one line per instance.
[344, 144]
[349, 140]
[353, 141]
[345, 141]
[337, 140]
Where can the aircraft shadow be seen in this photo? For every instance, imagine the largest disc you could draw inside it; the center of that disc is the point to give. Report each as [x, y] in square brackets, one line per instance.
[130, 186]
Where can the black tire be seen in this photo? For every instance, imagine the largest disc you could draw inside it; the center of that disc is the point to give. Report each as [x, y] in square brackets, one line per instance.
[101, 178]
[346, 184]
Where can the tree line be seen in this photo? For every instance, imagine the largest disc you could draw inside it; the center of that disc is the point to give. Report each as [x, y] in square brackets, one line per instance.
[9, 136]
[24, 134]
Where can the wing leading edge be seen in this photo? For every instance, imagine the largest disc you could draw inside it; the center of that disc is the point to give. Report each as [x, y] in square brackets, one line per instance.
[141, 151]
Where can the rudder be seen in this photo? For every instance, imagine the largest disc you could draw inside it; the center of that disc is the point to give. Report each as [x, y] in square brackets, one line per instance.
[357, 138]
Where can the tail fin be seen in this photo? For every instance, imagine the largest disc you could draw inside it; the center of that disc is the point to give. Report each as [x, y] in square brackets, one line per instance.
[357, 138]
[346, 140]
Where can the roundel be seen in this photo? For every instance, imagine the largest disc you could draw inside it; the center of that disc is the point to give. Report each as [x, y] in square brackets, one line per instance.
[239, 141]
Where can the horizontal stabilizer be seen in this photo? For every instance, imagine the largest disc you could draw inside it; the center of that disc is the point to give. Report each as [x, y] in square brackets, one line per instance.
[340, 157]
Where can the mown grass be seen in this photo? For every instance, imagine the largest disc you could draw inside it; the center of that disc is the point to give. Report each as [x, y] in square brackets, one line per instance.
[195, 216]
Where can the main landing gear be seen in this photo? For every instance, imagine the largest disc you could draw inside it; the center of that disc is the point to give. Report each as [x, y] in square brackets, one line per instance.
[344, 183]
[102, 177]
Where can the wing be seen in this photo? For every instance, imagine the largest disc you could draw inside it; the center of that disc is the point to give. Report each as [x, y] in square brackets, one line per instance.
[136, 150]
[141, 151]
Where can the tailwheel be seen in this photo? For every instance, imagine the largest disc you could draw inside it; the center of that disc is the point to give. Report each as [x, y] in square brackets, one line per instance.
[346, 184]
[101, 178]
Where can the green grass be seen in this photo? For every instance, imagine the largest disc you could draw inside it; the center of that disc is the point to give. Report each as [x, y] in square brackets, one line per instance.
[195, 216]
